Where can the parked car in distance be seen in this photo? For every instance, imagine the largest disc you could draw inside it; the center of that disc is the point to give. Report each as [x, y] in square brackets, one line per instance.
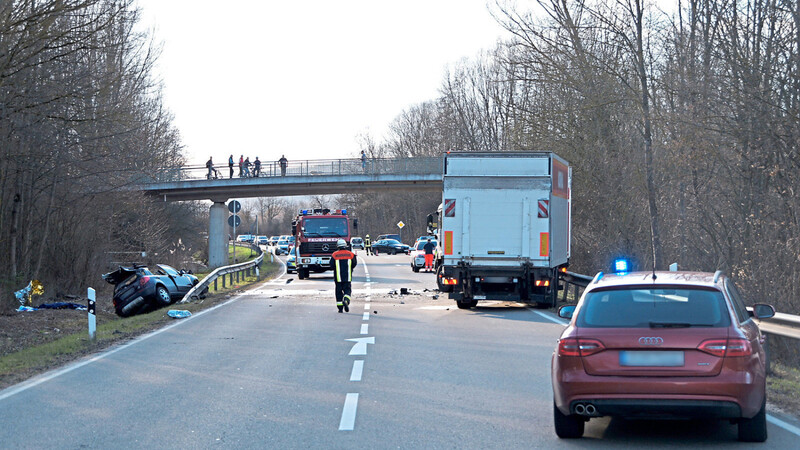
[357, 242]
[390, 246]
[418, 254]
[262, 240]
[291, 260]
[284, 242]
[273, 240]
[396, 237]
[140, 289]
[661, 345]
[245, 238]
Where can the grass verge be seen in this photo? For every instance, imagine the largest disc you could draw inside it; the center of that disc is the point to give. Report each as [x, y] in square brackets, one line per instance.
[28, 362]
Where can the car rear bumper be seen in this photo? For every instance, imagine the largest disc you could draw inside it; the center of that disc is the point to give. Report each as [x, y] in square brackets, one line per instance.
[730, 394]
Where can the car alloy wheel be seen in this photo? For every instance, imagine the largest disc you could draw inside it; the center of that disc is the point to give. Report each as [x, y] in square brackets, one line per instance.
[162, 296]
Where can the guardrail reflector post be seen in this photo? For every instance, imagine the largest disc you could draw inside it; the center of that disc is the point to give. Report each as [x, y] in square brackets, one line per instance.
[258, 275]
[92, 317]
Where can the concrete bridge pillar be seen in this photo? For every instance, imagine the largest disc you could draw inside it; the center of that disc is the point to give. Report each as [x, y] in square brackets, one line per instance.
[217, 236]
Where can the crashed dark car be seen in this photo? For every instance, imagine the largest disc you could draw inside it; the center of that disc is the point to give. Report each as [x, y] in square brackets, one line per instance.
[139, 289]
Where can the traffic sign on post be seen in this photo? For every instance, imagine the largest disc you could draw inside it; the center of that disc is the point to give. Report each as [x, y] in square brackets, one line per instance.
[400, 224]
[234, 221]
[234, 206]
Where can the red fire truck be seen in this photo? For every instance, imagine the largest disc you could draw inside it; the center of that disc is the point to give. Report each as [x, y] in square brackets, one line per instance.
[316, 232]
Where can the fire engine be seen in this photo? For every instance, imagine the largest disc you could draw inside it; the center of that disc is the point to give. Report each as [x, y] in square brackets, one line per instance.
[316, 232]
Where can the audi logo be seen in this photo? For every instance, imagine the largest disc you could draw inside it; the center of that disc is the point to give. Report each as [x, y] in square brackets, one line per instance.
[650, 341]
[325, 247]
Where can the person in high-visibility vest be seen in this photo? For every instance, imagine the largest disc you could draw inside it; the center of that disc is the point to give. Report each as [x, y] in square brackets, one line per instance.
[367, 245]
[343, 261]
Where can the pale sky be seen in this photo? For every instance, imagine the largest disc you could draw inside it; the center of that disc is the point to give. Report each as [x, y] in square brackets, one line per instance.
[304, 77]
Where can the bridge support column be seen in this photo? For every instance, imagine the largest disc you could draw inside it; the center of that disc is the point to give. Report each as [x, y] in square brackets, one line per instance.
[217, 236]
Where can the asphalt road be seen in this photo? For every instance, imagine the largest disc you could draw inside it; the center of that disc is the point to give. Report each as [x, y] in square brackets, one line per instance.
[278, 367]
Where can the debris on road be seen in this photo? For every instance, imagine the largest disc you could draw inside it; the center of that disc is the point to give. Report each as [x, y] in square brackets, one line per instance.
[178, 313]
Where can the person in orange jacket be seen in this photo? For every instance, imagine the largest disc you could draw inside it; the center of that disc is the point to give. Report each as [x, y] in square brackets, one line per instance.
[343, 261]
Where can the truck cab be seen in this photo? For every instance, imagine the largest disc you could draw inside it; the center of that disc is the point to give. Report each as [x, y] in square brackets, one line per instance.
[316, 233]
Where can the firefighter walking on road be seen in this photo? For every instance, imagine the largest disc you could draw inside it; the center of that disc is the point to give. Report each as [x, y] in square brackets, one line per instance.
[367, 245]
[343, 261]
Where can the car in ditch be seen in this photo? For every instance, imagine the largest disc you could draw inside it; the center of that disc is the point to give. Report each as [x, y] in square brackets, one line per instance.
[661, 345]
[139, 289]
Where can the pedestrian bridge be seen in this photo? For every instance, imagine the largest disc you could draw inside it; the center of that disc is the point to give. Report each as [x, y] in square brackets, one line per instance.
[315, 177]
[312, 177]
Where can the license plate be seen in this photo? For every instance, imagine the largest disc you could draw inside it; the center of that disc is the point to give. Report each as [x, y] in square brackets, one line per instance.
[650, 359]
[480, 297]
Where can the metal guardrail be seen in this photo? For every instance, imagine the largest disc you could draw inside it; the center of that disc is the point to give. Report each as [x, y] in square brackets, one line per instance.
[220, 272]
[304, 168]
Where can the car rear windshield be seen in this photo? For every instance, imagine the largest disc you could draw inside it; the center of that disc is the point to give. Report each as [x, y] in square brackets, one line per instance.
[654, 308]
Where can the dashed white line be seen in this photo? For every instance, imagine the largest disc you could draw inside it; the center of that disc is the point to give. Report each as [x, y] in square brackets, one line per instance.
[366, 305]
[364, 328]
[349, 412]
[358, 369]
[786, 426]
[365, 316]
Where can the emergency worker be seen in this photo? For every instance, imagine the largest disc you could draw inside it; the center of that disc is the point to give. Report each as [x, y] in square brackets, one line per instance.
[429, 248]
[343, 261]
[367, 245]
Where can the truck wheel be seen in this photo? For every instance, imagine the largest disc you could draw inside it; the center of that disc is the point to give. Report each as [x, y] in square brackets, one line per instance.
[302, 273]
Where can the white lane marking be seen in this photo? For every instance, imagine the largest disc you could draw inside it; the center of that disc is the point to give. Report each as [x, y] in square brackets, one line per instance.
[786, 426]
[360, 346]
[364, 328]
[366, 305]
[349, 412]
[358, 370]
[365, 316]
[25, 385]
[551, 318]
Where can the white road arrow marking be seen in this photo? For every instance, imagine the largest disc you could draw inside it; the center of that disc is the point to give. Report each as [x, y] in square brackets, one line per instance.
[360, 347]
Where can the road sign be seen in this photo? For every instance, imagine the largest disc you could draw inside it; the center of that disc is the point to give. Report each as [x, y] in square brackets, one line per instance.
[400, 224]
[234, 206]
[234, 220]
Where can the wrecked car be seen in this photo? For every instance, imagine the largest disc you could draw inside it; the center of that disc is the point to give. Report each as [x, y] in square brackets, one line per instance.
[139, 289]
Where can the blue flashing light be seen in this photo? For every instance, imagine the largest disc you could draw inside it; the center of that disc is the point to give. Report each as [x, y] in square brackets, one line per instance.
[305, 211]
[621, 266]
[344, 212]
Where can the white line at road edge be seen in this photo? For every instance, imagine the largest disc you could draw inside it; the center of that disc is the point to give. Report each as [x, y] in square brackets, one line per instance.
[349, 412]
[551, 318]
[25, 385]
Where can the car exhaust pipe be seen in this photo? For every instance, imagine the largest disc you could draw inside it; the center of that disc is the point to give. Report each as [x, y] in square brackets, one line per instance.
[580, 409]
[590, 410]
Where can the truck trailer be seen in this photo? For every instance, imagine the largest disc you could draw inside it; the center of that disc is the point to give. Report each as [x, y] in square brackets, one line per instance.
[504, 226]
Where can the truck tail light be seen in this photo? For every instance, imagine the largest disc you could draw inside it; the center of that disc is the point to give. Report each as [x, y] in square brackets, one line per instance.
[542, 283]
[449, 281]
[579, 347]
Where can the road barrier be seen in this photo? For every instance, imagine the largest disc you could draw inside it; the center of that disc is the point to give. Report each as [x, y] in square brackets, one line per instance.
[219, 273]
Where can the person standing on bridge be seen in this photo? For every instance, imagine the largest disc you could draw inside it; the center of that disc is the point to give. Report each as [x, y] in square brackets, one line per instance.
[241, 166]
[343, 261]
[247, 167]
[363, 161]
[212, 173]
[257, 168]
[283, 162]
[230, 164]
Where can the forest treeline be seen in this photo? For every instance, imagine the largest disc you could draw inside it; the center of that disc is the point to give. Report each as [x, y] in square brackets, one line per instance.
[80, 118]
[682, 130]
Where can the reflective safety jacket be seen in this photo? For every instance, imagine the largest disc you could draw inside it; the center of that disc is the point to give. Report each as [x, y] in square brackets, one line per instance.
[366, 242]
[342, 263]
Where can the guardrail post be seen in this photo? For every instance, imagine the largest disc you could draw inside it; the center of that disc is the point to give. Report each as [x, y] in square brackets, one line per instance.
[215, 283]
[258, 275]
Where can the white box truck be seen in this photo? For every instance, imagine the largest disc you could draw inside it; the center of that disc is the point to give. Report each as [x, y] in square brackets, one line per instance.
[504, 226]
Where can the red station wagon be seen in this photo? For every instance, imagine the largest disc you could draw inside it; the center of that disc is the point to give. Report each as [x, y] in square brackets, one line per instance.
[661, 345]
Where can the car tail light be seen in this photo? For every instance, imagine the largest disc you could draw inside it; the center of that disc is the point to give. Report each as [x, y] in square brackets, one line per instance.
[579, 347]
[143, 281]
[726, 347]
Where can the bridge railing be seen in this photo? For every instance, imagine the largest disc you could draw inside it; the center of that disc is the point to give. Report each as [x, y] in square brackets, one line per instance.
[306, 168]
